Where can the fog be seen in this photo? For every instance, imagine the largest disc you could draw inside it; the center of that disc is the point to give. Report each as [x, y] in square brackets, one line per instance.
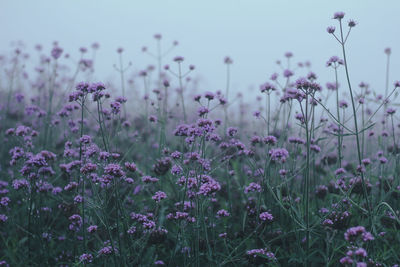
[253, 33]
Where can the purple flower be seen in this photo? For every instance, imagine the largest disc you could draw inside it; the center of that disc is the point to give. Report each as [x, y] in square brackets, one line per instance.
[158, 196]
[287, 73]
[78, 199]
[352, 23]
[115, 107]
[338, 15]
[331, 29]
[107, 250]
[390, 111]
[353, 233]
[228, 60]
[361, 252]
[149, 179]
[266, 217]
[178, 59]
[267, 87]
[202, 111]
[3, 218]
[260, 256]
[252, 187]
[86, 258]
[114, 170]
[56, 52]
[88, 168]
[223, 213]
[231, 131]
[153, 118]
[343, 104]
[278, 155]
[92, 228]
[75, 222]
[85, 139]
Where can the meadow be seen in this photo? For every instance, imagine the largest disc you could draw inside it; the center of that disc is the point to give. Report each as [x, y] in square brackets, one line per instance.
[156, 170]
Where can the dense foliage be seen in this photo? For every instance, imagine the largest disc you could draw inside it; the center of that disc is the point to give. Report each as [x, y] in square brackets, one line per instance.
[100, 174]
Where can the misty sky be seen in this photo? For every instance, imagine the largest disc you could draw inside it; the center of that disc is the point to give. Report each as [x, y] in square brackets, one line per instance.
[254, 33]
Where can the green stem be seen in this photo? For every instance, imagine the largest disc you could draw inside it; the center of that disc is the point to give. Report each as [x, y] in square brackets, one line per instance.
[355, 125]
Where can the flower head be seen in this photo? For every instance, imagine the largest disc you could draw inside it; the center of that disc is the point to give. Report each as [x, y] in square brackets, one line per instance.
[338, 15]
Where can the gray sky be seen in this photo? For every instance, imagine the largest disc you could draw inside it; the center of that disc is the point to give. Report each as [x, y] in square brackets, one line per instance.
[254, 33]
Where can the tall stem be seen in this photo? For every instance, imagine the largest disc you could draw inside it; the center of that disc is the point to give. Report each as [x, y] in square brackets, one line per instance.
[386, 84]
[82, 178]
[227, 97]
[355, 124]
[121, 70]
[307, 183]
[338, 118]
[181, 92]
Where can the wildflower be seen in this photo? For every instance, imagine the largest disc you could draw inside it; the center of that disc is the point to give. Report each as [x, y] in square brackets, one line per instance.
[338, 15]
[274, 77]
[346, 260]
[78, 199]
[178, 59]
[288, 54]
[267, 87]
[159, 195]
[266, 217]
[21, 183]
[86, 258]
[107, 250]
[131, 230]
[352, 23]
[296, 140]
[92, 228]
[223, 235]
[287, 73]
[366, 161]
[315, 148]
[390, 111]
[56, 52]
[114, 170]
[353, 233]
[153, 118]
[76, 222]
[252, 187]
[231, 131]
[383, 160]
[222, 213]
[202, 111]
[266, 256]
[209, 186]
[228, 60]
[278, 155]
[88, 168]
[331, 29]
[331, 86]
[149, 179]
[115, 107]
[343, 104]
[3, 218]
[361, 252]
